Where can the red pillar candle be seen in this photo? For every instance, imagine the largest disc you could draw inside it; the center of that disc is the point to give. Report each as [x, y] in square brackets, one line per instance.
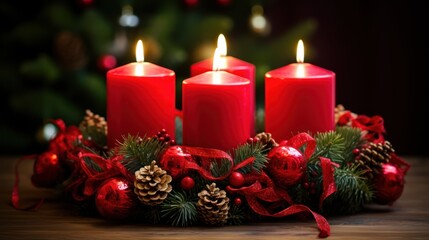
[216, 107]
[235, 66]
[299, 97]
[140, 99]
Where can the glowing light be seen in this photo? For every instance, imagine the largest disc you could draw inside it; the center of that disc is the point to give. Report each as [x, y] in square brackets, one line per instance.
[216, 60]
[139, 51]
[221, 45]
[300, 52]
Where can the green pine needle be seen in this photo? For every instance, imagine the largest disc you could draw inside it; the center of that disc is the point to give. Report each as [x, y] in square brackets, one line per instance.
[329, 145]
[221, 169]
[352, 139]
[139, 152]
[353, 192]
[246, 151]
[236, 215]
[179, 209]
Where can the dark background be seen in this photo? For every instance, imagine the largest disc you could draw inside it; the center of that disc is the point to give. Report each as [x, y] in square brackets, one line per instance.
[378, 50]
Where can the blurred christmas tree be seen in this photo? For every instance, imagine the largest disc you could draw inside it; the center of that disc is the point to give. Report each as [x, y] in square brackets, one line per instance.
[55, 54]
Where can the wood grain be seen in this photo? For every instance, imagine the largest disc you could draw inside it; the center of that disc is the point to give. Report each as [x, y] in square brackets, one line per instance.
[408, 218]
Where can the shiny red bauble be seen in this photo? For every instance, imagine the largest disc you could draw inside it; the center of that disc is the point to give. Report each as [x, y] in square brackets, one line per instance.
[187, 183]
[47, 171]
[389, 184]
[115, 199]
[174, 160]
[286, 166]
[236, 179]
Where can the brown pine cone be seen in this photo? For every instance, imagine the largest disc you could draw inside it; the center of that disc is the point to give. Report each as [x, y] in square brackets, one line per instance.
[94, 128]
[372, 156]
[266, 140]
[152, 184]
[213, 205]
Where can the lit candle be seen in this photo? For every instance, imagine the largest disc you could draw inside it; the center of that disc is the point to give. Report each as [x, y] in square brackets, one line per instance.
[216, 107]
[140, 99]
[232, 65]
[299, 97]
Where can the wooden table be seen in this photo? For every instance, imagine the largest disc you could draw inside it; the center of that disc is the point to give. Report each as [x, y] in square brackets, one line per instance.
[408, 218]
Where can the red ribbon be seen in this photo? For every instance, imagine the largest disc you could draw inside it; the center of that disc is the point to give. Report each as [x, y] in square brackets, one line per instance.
[264, 189]
[15, 192]
[86, 180]
[207, 156]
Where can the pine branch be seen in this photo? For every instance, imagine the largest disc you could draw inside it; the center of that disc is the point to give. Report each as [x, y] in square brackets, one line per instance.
[221, 169]
[139, 152]
[246, 151]
[352, 139]
[353, 192]
[330, 145]
[179, 209]
[236, 215]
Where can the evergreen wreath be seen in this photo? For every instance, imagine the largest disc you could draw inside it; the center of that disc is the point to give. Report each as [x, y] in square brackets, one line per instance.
[334, 172]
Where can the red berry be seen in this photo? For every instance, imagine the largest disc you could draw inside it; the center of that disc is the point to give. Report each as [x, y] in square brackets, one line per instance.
[356, 151]
[236, 179]
[187, 183]
[237, 201]
[305, 185]
[255, 139]
[250, 140]
[172, 142]
[163, 131]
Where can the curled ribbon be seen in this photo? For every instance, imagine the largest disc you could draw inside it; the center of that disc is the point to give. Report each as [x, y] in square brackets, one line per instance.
[15, 192]
[264, 189]
[87, 180]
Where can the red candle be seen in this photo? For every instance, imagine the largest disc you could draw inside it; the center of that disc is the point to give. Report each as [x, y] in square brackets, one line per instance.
[232, 65]
[216, 107]
[299, 97]
[140, 99]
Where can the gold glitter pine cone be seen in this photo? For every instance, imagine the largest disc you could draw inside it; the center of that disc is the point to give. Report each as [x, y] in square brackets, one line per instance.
[213, 205]
[152, 184]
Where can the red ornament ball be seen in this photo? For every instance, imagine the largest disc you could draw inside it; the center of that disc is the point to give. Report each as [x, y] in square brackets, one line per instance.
[115, 199]
[237, 201]
[47, 171]
[174, 160]
[107, 62]
[286, 165]
[187, 183]
[389, 184]
[236, 179]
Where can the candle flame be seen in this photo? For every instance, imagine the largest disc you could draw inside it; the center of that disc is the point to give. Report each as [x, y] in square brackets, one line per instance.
[139, 51]
[216, 60]
[221, 45]
[300, 52]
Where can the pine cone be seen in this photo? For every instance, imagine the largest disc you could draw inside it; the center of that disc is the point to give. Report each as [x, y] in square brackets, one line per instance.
[213, 205]
[372, 157]
[266, 140]
[152, 184]
[94, 128]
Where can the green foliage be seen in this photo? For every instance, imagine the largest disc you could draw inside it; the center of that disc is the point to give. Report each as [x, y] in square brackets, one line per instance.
[179, 209]
[139, 152]
[246, 151]
[352, 139]
[236, 215]
[353, 192]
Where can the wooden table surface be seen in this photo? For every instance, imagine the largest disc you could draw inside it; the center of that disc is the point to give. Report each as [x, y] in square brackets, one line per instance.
[408, 218]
